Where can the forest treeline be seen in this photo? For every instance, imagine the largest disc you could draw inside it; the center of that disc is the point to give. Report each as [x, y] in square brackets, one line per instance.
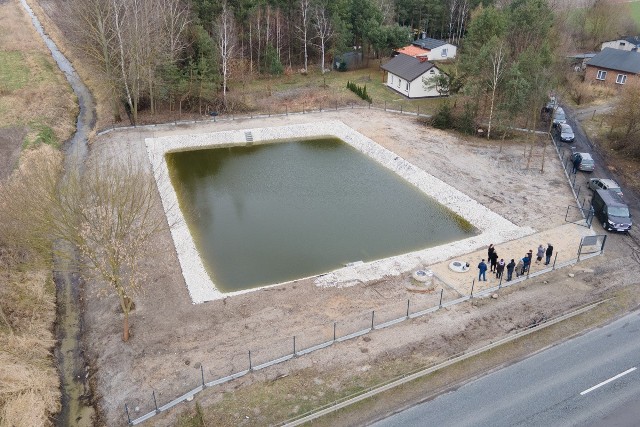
[181, 53]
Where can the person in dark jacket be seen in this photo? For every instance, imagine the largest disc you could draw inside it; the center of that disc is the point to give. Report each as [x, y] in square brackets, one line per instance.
[494, 261]
[510, 267]
[500, 269]
[548, 253]
[490, 252]
[526, 262]
[482, 273]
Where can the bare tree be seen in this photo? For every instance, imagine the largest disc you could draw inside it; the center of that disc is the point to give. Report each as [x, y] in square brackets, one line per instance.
[625, 117]
[324, 31]
[303, 28]
[497, 62]
[117, 213]
[226, 41]
[109, 213]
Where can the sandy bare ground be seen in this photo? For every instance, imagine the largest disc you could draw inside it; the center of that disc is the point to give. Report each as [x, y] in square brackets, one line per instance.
[172, 338]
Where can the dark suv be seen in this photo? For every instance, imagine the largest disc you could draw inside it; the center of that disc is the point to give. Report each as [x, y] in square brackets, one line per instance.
[612, 212]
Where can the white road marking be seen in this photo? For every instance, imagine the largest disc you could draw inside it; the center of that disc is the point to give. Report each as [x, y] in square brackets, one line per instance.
[608, 381]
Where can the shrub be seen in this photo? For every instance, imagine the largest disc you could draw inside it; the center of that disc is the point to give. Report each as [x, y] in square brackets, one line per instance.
[443, 118]
[361, 91]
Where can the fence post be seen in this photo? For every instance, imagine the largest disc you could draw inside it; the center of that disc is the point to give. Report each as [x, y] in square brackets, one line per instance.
[202, 375]
[302, 107]
[385, 105]
[155, 402]
[294, 345]
[553, 267]
[286, 110]
[473, 284]
[418, 113]
[373, 313]
[408, 307]
[126, 409]
[334, 331]
[441, 292]
[400, 108]
[250, 365]
[336, 105]
[268, 112]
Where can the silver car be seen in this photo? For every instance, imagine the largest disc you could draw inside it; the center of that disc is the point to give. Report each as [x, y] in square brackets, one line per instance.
[559, 117]
[604, 184]
[565, 133]
[586, 161]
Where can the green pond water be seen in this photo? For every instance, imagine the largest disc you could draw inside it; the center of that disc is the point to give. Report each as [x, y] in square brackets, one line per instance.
[271, 213]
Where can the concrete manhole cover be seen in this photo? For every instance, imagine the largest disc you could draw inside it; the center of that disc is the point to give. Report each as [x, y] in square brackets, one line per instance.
[423, 276]
[459, 266]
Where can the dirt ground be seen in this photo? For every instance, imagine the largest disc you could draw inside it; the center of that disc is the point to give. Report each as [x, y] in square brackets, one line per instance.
[172, 338]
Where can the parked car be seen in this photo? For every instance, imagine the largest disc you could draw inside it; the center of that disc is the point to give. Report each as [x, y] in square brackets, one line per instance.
[586, 161]
[604, 184]
[612, 212]
[565, 133]
[559, 117]
[551, 105]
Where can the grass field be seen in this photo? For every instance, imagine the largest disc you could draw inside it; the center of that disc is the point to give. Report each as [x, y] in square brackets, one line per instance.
[297, 91]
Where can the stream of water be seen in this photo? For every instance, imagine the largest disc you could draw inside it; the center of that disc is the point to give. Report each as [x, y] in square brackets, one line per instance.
[77, 409]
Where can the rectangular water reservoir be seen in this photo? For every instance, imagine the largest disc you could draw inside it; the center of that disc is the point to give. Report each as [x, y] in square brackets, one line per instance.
[276, 212]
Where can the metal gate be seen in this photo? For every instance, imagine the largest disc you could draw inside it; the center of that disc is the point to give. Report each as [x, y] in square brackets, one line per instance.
[579, 216]
[592, 244]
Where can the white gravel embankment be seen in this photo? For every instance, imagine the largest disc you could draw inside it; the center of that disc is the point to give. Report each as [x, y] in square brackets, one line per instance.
[493, 227]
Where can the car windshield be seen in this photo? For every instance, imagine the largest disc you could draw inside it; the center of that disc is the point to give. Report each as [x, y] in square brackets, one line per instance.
[619, 211]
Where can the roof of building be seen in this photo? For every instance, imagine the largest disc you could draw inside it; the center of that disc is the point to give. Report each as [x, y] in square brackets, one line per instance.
[615, 59]
[428, 43]
[582, 56]
[632, 39]
[407, 67]
[412, 50]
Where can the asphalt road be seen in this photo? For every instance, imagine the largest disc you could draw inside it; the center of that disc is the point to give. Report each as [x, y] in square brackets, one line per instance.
[591, 380]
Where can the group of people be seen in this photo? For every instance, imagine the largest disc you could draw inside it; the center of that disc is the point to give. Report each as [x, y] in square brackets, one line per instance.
[521, 268]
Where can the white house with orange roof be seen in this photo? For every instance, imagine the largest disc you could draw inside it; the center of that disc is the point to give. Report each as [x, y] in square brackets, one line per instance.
[431, 49]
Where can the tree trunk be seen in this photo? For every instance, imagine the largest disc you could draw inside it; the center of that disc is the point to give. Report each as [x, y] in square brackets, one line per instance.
[125, 332]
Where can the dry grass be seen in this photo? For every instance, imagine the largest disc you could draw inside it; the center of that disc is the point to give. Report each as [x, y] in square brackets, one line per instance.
[29, 384]
[33, 91]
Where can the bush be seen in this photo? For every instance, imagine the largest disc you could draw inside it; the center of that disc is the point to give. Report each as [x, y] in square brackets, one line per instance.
[361, 91]
[443, 118]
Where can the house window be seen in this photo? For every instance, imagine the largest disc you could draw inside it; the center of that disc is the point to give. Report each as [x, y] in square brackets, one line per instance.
[601, 75]
[623, 44]
[391, 78]
[444, 53]
[399, 81]
[408, 85]
[432, 72]
[621, 78]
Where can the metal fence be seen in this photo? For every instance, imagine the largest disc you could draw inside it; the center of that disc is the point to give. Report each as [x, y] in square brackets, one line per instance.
[172, 391]
[401, 107]
[185, 384]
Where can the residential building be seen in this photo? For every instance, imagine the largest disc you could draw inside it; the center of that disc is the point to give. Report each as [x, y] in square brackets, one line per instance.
[613, 67]
[405, 75]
